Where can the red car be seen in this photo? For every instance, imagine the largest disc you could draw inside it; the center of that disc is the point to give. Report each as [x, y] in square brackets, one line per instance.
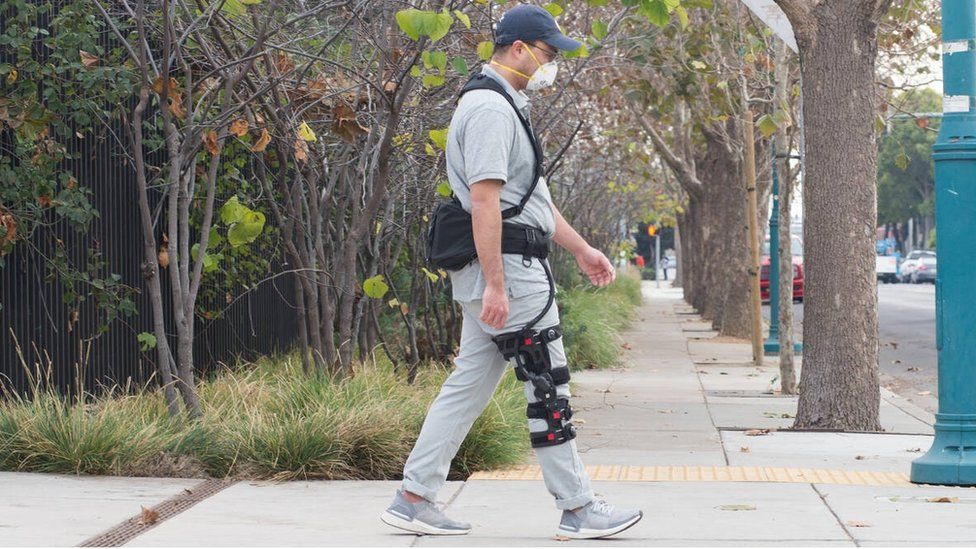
[797, 279]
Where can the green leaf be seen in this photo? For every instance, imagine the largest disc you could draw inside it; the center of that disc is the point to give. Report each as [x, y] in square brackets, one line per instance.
[902, 160]
[582, 51]
[409, 22]
[682, 17]
[215, 239]
[698, 65]
[432, 80]
[596, 3]
[416, 23]
[430, 276]
[599, 29]
[485, 49]
[767, 126]
[439, 137]
[554, 9]
[439, 60]
[374, 287]
[232, 211]
[246, 230]
[146, 341]
[463, 17]
[655, 11]
[460, 66]
[444, 189]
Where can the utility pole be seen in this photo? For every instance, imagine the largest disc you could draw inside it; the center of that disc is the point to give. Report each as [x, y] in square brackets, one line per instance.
[952, 458]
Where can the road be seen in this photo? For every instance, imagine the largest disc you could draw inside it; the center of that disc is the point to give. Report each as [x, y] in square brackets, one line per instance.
[906, 326]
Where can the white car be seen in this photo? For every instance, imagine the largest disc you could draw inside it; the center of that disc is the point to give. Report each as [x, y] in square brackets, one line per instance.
[911, 263]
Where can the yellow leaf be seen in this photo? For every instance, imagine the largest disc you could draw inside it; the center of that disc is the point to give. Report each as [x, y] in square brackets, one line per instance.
[87, 59]
[393, 302]
[306, 133]
[12, 76]
[262, 142]
[301, 150]
[239, 127]
[210, 142]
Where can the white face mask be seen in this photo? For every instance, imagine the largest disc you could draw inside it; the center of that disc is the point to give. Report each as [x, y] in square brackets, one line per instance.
[543, 77]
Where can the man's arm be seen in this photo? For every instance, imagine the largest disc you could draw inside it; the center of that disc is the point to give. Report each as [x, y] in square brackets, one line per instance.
[486, 223]
[593, 262]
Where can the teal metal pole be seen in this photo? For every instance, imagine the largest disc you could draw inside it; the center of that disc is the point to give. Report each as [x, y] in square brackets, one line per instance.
[952, 458]
[771, 345]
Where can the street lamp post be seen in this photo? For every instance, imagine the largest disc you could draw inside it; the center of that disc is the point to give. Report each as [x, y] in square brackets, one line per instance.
[771, 345]
[952, 458]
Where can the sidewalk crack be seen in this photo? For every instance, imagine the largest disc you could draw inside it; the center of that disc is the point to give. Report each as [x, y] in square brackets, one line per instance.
[843, 526]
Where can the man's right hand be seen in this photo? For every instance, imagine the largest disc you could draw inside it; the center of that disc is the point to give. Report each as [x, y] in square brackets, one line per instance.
[494, 306]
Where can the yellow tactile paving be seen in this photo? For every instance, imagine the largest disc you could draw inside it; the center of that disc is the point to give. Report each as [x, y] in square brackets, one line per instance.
[679, 473]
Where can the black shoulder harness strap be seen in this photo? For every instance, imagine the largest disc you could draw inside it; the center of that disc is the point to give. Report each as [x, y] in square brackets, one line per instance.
[482, 81]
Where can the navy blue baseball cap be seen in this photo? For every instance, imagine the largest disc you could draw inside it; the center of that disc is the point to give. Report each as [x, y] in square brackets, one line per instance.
[527, 22]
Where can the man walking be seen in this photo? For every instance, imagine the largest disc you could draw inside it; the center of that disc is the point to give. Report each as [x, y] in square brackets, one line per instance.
[490, 164]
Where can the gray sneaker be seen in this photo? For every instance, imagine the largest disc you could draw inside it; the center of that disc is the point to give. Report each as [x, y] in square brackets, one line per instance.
[422, 517]
[597, 519]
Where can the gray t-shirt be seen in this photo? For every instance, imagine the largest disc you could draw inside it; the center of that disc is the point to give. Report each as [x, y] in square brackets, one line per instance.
[486, 140]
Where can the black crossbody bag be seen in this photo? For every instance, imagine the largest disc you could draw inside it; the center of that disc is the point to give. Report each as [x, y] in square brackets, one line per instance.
[450, 238]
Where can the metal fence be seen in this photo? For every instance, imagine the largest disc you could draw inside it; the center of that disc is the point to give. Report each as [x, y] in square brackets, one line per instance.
[39, 333]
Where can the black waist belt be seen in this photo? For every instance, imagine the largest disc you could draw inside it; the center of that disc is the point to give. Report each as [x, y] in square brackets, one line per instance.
[525, 240]
[450, 240]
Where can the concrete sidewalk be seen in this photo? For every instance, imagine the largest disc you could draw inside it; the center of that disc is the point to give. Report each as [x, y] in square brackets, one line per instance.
[681, 432]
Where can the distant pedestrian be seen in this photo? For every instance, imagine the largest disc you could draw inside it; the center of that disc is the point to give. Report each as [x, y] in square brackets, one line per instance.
[664, 266]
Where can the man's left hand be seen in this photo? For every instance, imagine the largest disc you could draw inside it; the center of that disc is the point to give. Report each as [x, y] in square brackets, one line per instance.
[596, 266]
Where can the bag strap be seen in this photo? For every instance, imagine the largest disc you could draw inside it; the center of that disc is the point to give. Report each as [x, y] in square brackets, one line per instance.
[482, 81]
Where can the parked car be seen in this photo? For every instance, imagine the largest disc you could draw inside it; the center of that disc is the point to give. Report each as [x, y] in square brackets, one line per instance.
[925, 271]
[796, 247]
[797, 279]
[911, 262]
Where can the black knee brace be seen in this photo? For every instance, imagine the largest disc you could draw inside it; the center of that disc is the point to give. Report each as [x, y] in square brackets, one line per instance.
[532, 363]
[557, 415]
[533, 348]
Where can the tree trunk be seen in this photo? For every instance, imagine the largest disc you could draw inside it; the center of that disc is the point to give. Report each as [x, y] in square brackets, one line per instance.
[726, 241]
[838, 46]
[787, 369]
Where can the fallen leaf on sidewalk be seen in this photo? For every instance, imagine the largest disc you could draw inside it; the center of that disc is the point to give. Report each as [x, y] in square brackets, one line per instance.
[914, 369]
[744, 449]
[668, 411]
[924, 393]
[896, 362]
[857, 524]
[626, 346]
[914, 450]
[560, 538]
[737, 507]
[148, 516]
[943, 499]
[756, 432]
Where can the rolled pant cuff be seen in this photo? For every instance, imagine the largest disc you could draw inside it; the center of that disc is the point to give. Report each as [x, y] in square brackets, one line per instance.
[574, 502]
[419, 489]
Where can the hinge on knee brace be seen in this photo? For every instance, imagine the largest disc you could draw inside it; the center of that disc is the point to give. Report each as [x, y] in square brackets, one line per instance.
[531, 346]
[557, 413]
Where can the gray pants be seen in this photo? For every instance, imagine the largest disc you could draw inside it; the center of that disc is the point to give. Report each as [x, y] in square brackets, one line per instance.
[479, 367]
